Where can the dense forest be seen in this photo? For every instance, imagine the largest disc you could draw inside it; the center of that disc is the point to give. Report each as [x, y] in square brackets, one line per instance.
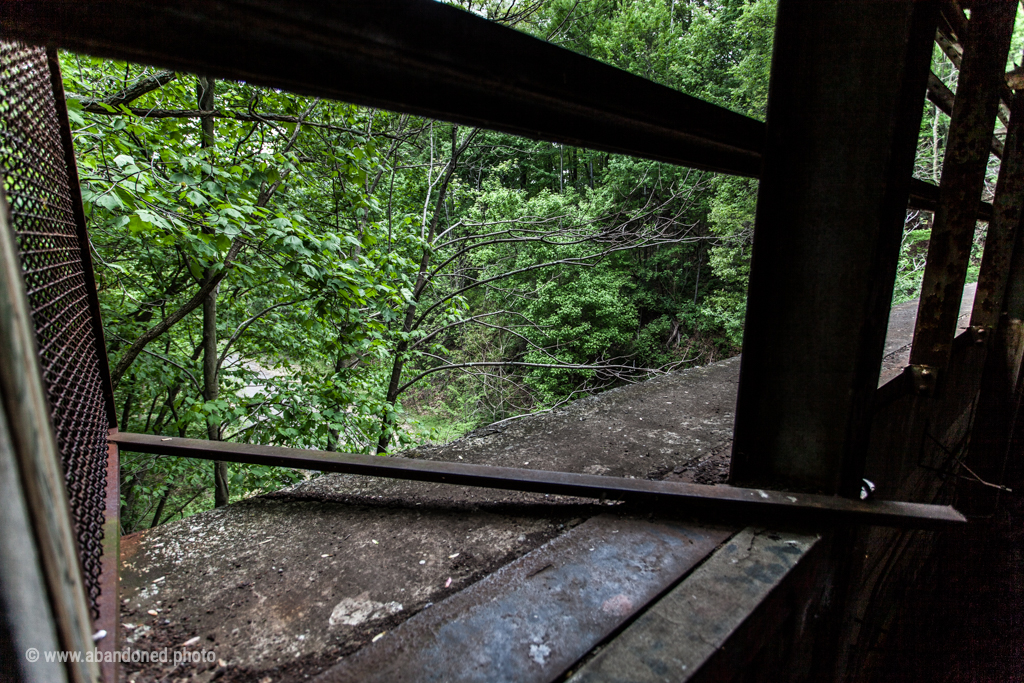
[284, 270]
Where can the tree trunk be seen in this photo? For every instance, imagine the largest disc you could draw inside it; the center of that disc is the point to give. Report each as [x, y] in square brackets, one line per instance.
[160, 507]
[211, 380]
[211, 389]
[387, 421]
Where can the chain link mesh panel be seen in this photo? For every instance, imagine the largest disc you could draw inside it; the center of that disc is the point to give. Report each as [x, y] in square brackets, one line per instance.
[36, 179]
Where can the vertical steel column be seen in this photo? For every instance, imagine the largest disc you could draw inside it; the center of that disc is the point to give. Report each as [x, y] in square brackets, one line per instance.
[844, 109]
[1007, 209]
[1013, 336]
[990, 435]
[963, 176]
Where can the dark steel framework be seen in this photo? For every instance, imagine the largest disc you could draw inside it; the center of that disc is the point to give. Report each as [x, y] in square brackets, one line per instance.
[827, 236]
[986, 42]
[427, 58]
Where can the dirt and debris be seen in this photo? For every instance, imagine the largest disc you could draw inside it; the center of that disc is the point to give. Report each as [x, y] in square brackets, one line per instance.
[712, 469]
[281, 586]
[902, 320]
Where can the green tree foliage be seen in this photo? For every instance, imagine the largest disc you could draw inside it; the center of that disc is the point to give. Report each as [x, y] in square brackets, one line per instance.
[371, 268]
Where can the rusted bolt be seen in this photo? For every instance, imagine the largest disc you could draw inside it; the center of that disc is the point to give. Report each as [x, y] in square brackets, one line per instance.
[980, 335]
[924, 378]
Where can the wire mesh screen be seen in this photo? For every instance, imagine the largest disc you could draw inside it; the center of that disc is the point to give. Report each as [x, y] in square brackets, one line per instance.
[36, 179]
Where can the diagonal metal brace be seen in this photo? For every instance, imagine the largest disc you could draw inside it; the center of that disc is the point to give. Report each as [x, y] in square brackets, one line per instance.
[762, 505]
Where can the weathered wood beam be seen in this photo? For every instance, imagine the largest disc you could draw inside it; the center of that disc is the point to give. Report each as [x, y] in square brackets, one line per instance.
[36, 460]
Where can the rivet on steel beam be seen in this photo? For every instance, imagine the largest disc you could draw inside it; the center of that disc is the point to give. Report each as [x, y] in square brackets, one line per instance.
[924, 378]
[979, 333]
[1015, 78]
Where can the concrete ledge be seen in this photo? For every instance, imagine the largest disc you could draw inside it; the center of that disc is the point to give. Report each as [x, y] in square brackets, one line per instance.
[683, 631]
[290, 584]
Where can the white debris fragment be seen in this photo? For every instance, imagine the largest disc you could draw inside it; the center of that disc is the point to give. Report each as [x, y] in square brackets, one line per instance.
[539, 653]
[355, 611]
[378, 636]
[190, 642]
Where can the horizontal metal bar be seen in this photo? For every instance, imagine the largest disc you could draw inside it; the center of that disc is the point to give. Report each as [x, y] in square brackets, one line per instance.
[715, 500]
[925, 196]
[416, 56]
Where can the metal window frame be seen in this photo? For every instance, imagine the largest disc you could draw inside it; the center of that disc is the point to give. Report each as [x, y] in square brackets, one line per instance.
[431, 59]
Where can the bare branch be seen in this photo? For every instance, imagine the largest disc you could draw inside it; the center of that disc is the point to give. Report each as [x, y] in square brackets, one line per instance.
[520, 364]
[245, 325]
[585, 261]
[131, 93]
[253, 117]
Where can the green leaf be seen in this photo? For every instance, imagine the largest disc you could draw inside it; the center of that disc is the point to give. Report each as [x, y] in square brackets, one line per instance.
[109, 202]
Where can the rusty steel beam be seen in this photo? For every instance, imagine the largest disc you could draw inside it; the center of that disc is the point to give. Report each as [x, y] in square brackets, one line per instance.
[963, 176]
[416, 56]
[950, 37]
[779, 506]
[540, 614]
[39, 21]
[711, 625]
[1008, 209]
[991, 324]
[942, 97]
[848, 80]
[108, 603]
